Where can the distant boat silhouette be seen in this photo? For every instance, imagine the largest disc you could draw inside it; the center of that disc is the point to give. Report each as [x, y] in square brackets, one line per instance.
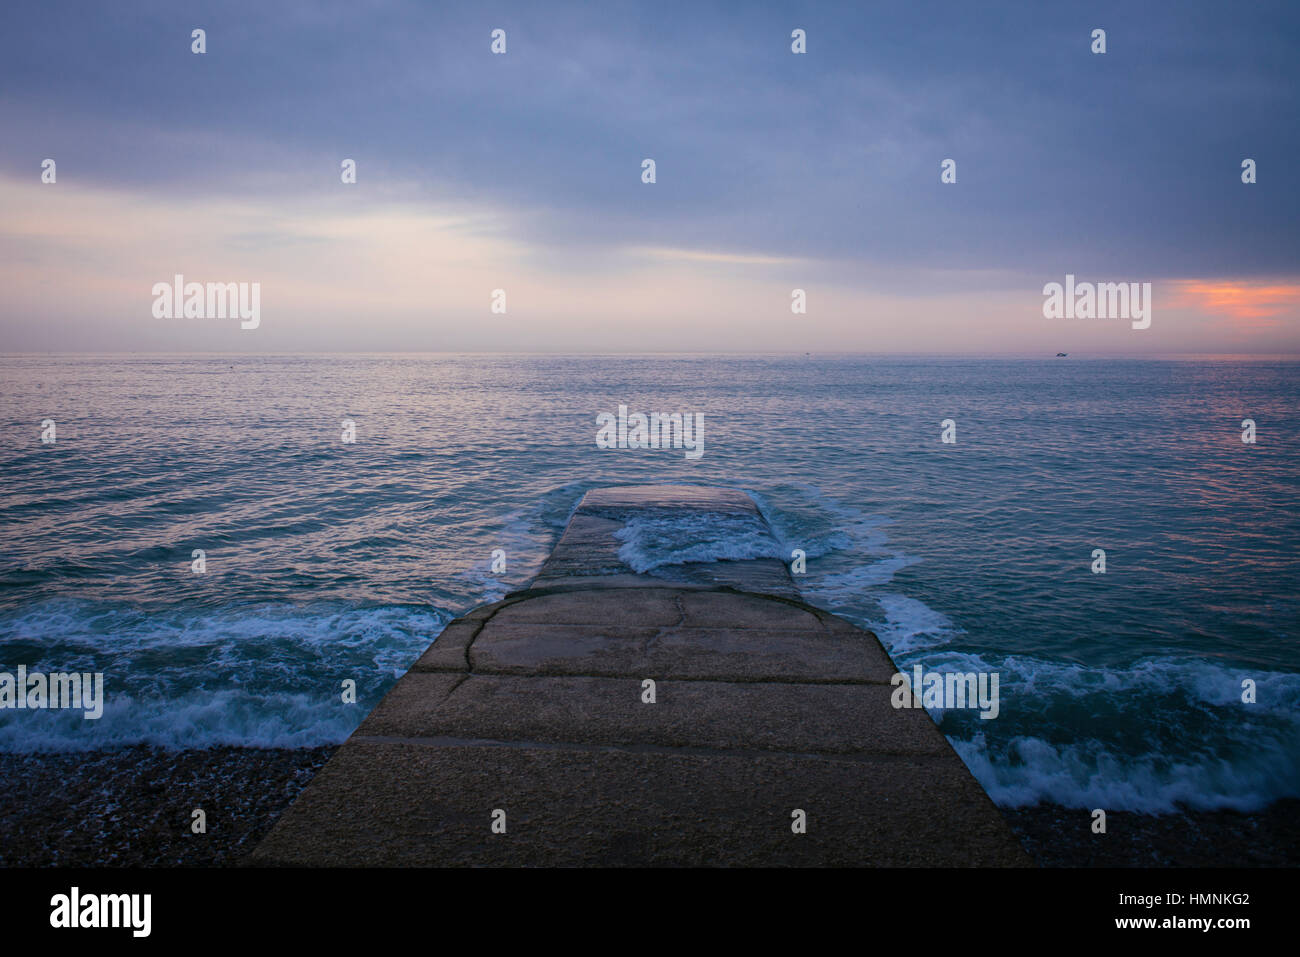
[1061, 355]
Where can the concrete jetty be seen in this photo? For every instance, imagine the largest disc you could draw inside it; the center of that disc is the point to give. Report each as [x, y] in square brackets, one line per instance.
[627, 711]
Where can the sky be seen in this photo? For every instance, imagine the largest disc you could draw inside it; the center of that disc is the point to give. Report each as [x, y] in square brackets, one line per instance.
[774, 171]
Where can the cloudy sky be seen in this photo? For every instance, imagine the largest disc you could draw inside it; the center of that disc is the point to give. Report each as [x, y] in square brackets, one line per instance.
[775, 171]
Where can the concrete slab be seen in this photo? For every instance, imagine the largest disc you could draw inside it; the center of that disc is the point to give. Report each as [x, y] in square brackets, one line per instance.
[699, 497]
[736, 654]
[607, 522]
[609, 807]
[715, 715]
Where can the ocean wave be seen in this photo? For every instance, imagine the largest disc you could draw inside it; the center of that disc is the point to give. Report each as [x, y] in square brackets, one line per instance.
[852, 544]
[909, 625]
[526, 536]
[1028, 770]
[656, 539]
[1149, 737]
[252, 675]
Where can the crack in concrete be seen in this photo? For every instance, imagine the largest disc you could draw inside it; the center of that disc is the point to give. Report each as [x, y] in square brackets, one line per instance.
[716, 679]
[451, 741]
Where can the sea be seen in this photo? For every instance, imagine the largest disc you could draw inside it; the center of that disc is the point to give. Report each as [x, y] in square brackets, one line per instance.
[1170, 680]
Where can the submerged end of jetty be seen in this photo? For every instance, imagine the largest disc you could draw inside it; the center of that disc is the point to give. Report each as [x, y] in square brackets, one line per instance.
[684, 714]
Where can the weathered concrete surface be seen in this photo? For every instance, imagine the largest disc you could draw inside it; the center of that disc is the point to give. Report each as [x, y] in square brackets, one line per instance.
[591, 553]
[534, 706]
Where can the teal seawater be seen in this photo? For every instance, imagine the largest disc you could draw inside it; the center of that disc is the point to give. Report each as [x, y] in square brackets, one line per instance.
[328, 561]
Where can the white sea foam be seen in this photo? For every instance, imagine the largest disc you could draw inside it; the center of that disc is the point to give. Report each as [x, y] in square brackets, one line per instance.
[855, 544]
[656, 539]
[527, 535]
[1090, 774]
[256, 675]
[1156, 734]
[910, 625]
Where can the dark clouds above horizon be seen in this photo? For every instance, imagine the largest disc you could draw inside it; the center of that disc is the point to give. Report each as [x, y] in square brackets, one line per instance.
[1127, 162]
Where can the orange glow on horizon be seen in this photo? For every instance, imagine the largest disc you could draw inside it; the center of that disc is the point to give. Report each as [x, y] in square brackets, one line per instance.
[1240, 301]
